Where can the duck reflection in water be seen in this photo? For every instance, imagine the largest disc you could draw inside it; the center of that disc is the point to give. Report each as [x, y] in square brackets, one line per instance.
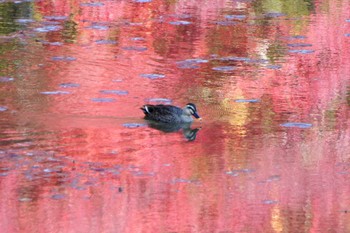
[169, 118]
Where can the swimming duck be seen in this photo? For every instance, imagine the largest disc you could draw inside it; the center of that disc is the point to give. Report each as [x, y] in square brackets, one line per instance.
[169, 113]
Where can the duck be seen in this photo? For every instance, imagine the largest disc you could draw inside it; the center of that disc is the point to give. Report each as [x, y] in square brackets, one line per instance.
[170, 114]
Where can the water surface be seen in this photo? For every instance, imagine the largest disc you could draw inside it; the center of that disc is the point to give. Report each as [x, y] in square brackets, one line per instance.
[270, 80]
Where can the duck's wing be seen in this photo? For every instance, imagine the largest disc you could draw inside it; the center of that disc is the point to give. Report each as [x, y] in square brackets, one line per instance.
[162, 113]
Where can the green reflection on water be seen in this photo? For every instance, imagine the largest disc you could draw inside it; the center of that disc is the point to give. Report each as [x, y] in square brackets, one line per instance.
[292, 8]
[9, 12]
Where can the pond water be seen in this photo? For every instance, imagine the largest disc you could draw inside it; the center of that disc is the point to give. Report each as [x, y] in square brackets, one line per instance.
[271, 80]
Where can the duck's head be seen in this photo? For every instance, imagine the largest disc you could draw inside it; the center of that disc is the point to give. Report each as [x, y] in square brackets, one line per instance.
[190, 109]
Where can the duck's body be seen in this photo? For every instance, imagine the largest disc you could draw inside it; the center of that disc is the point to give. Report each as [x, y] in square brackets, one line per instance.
[169, 113]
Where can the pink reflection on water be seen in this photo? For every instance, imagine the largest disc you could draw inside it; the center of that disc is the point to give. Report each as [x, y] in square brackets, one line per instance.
[81, 170]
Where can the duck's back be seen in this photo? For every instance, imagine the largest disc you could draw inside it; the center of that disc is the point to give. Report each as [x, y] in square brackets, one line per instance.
[163, 113]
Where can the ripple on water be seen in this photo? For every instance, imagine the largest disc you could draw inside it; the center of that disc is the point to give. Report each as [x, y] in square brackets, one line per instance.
[69, 85]
[3, 108]
[231, 17]
[92, 4]
[297, 125]
[97, 27]
[224, 68]
[180, 22]
[152, 76]
[63, 58]
[4, 79]
[159, 100]
[274, 67]
[299, 45]
[142, 1]
[48, 28]
[24, 20]
[135, 48]
[247, 100]
[133, 125]
[301, 51]
[55, 92]
[106, 42]
[102, 100]
[114, 92]
[56, 17]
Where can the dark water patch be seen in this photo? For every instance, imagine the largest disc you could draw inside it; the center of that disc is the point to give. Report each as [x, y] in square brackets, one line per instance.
[247, 100]
[4, 79]
[102, 100]
[55, 92]
[69, 85]
[135, 48]
[159, 100]
[226, 23]
[58, 196]
[92, 4]
[224, 68]
[180, 22]
[297, 125]
[274, 67]
[134, 125]
[152, 76]
[25, 21]
[3, 108]
[48, 28]
[237, 17]
[299, 45]
[301, 51]
[63, 58]
[106, 42]
[56, 17]
[114, 92]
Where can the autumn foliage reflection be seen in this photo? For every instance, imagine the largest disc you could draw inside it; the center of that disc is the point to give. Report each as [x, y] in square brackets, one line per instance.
[243, 173]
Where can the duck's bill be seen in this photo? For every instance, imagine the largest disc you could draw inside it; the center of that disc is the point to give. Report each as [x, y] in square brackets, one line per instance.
[196, 115]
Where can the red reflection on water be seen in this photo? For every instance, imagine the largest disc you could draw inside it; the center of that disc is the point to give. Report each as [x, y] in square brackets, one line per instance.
[83, 171]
